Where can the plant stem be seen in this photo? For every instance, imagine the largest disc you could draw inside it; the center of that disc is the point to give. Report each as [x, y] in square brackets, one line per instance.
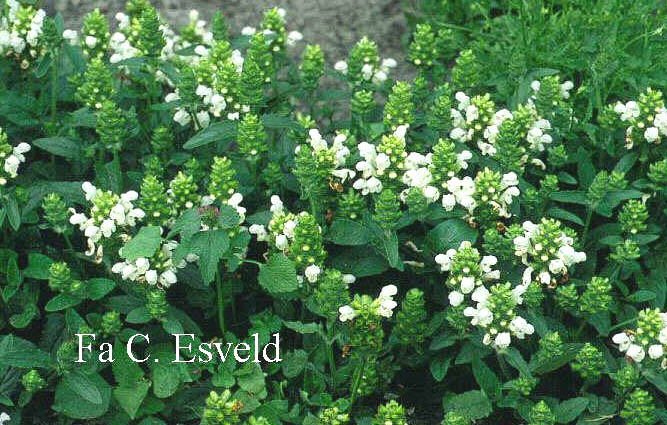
[54, 96]
[221, 302]
[358, 373]
[330, 353]
[587, 224]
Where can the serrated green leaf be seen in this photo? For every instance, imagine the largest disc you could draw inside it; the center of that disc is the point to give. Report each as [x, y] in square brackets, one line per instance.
[59, 146]
[473, 405]
[220, 132]
[143, 245]
[278, 275]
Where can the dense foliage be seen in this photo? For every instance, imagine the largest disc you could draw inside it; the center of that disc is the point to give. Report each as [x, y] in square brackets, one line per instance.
[485, 243]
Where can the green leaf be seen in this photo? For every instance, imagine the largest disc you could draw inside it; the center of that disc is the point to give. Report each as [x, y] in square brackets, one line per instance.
[303, 328]
[186, 225]
[130, 398]
[348, 232]
[211, 246]
[126, 372]
[143, 245]
[62, 301]
[13, 213]
[250, 378]
[18, 352]
[657, 379]
[73, 405]
[83, 386]
[473, 405]
[562, 214]
[59, 146]
[218, 132]
[626, 162]
[97, 288]
[386, 244]
[294, 363]
[228, 218]
[360, 261]
[570, 197]
[139, 315]
[278, 275]
[486, 379]
[439, 366]
[569, 410]
[38, 266]
[515, 359]
[23, 319]
[448, 234]
[641, 296]
[281, 122]
[443, 340]
[570, 351]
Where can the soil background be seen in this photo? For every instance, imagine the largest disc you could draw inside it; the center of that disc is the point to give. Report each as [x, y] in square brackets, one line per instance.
[333, 24]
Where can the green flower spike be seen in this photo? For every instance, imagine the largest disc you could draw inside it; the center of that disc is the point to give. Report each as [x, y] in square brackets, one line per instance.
[391, 413]
[96, 86]
[95, 34]
[411, 319]
[399, 109]
[639, 408]
[55, 213]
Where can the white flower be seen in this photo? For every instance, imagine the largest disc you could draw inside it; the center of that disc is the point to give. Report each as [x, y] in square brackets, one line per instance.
[349, 279]
[341, 66]
[467, 284]
[388, 291]
[281, 242]
[655, 351]
[386, 307]
[259, 231]
[502, 340]
[276, 204]
[293, 37]
[455, 298]
[91, 41]
[480, 317]
[570, 256]
[662, 337]
[346, 313]
[636, 353]
[288, 228]
[312, 272]
[651, 134]
[448, 202]
[71, 36]
[182, 117]
[248, 31]
[151, 277]
[622, 340]
[520, 327]
[4, 417]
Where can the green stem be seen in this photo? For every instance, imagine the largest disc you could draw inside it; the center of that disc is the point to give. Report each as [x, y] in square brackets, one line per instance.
[221, 302]
[68, 242]
[359, 372]
[587, 224]
[54, 95]
[330, 353]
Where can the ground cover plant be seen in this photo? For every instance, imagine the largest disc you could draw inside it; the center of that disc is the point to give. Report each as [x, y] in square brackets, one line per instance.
[483, 244]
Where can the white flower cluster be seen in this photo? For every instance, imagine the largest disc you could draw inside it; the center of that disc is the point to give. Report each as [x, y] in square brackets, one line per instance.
[468, 125]
[417, 174]
[292, 37]
[338, 149]
[4, 417]
[565, 88]
[284, 233]
[465, 192]
[384, 305]
[466, 277]
[374, 165]
[376, 74]
[499, 332]
[161, 272]
[630, 113]
[12, 160]
[234, 201]
[17, 34]
[554, 259]
[108, 213]
[636, 345]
